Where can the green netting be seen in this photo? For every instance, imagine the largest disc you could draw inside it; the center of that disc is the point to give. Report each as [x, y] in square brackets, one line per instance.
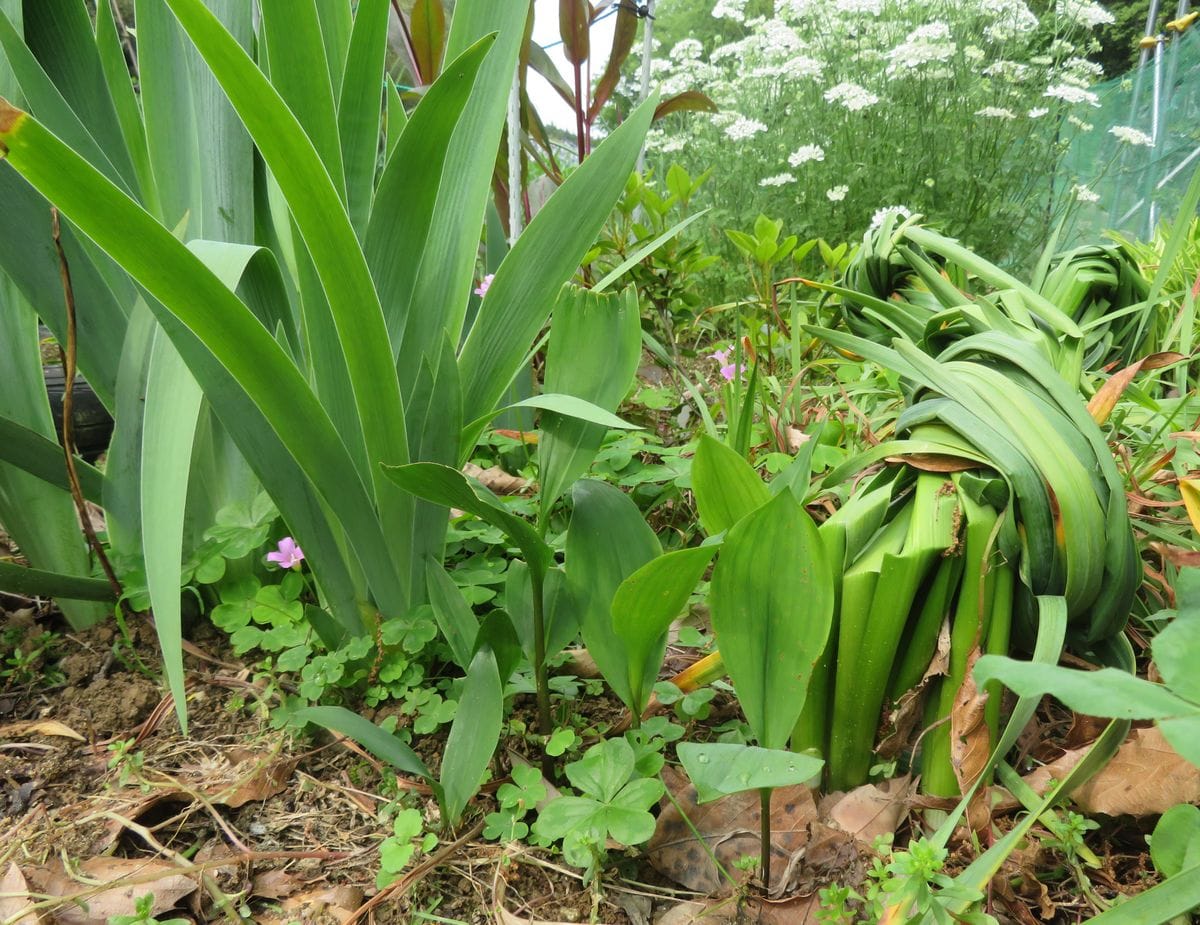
[1110, 176]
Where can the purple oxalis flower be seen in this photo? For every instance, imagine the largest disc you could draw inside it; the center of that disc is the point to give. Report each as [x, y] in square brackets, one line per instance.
[482, 288]
[288, 555]
[728, 370]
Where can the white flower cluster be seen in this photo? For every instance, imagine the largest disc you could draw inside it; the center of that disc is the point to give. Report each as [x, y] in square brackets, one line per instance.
[742, 128]
[1084, 12]
[1010, 19]
[686, 50]
[1131, 136]
[1037, 112]
[881, 214]
[1083, 194]
[730, 9]
[1069, 93]
[996, 112]
[779, 179]
[926, 44]
[800, 67]
[837, 193]
[806, 153]
[851, 95]
[859, 7]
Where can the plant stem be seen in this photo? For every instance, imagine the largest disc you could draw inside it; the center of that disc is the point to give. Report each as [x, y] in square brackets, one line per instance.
[537, 579]
[68, 361]
[764, 834]
[580, 107]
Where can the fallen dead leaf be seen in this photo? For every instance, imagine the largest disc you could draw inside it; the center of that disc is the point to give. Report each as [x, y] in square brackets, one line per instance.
[340, 902]
[868, 811]
[40, 727]
[1145, 777]
[730, 828]
[699, 913]
[130, 879]
[497, 479]
[275, 884]
[796, 438]
[504, 917]
[970, 741]
[16, 907]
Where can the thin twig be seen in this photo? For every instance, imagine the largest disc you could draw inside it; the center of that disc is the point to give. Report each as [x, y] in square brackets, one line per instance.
[399, 886]
[68, 361]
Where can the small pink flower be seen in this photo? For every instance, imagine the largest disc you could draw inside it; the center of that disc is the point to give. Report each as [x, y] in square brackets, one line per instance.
[289, 555]
[728, 370]
[482, 288]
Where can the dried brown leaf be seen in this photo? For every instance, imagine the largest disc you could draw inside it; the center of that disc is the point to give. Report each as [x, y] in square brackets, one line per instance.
[130, 879]
[730, 829]
[869, 811]
[1145, 777]
[16, 907]
[40, 727]
[340, 902]
[969, 739]
[497, 479]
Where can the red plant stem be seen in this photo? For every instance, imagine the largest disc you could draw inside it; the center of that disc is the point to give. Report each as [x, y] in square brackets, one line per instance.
[580, 111]
[409, 49]
[68, 361]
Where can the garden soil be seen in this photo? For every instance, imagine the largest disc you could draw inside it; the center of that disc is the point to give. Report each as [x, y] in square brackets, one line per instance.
[103, 800]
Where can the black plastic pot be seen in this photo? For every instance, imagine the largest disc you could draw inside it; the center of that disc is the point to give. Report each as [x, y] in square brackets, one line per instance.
[91, 424]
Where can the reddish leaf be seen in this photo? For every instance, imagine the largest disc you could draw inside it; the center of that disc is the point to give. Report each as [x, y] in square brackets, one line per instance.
[573, 24]
[428, 37]
[688, 101]
[626, 32]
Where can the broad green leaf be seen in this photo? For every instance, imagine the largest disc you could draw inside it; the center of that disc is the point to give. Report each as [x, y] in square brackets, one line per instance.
[473, 734]
[1175, 844]
[607, 541]
[379, 742]
[595, 346]
[1175, 651]
[448, 253]
[405, 208]
[687, 101]
[313, 198]
[458, 624]
[543, 258]
[300, 72]
[42, 457]
[721, 768]
[1107, 692]
[360, 108]
[727, 488]
[31, 582]
[772, 604]
[573, 407]
[40, 517]
[1173, 897]
[209, 314]
[645, 251]
[603, 770]
[450, 488]
[643, 608]
[559, 614]
[1183, 734]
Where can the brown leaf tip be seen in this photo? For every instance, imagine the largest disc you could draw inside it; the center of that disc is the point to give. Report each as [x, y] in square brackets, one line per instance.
[9, 117]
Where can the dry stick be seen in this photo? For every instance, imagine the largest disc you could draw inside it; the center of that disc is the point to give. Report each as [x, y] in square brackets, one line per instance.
[416, 874]
[68, 361]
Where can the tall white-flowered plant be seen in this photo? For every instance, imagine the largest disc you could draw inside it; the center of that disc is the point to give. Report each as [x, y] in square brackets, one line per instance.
[830, 107]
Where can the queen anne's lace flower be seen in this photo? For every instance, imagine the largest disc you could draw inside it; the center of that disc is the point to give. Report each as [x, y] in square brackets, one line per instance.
[1037, 112]
[780, 179]
[1083, 194]
[1010, 19]
[1084, 12]
[1072, 94]
[730, 9]
[837, 193]
[742, 128]
[799, 67]
[851, 95]
[859, 7]
[996, 112]
[1131, 136]
[806, 153]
